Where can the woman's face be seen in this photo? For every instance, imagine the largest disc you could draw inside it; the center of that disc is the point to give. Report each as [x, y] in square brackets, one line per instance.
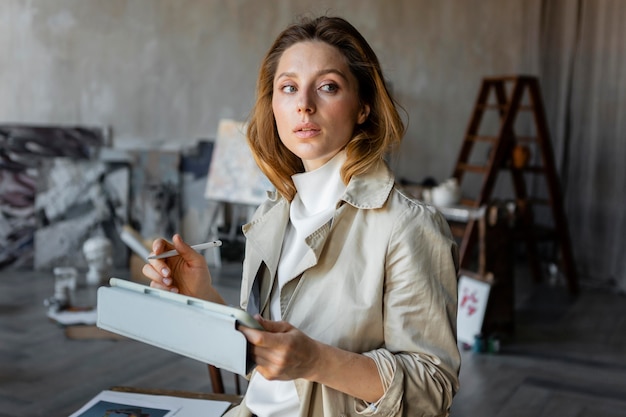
[315, 102]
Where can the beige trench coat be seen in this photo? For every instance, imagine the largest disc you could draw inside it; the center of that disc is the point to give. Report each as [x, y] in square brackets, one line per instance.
[379, 279]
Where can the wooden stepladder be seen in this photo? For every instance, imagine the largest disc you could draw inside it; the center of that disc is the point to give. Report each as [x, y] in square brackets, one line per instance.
[504, 99]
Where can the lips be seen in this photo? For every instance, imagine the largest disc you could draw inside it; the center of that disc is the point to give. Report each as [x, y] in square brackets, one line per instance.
[306, 130]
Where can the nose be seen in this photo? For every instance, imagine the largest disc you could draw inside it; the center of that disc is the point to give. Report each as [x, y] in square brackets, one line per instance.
[306, 103]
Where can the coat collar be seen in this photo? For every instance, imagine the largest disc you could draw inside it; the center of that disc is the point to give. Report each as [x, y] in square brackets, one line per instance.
[365, 191]
[370, 190]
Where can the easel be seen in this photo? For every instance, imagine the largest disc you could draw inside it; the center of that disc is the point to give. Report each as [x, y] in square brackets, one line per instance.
[216, 215]
[233, 179]
[509, 95]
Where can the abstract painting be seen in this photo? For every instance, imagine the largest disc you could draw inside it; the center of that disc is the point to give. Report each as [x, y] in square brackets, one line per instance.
[76, 200]
[22, 149]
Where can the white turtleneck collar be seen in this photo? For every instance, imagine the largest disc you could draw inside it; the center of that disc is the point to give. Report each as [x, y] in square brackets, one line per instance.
[320, 189]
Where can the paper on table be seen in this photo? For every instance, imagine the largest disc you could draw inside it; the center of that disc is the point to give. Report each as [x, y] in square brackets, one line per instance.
[181, 407]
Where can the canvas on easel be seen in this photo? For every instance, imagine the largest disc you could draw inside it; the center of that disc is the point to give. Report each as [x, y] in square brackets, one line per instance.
[234, 176]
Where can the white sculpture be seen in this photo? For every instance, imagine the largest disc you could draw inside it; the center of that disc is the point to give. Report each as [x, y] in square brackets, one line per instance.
[98, 253]
[64, 287]
[447, 193]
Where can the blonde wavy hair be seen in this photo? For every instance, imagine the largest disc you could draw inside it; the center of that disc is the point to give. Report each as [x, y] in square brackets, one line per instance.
[371, 140]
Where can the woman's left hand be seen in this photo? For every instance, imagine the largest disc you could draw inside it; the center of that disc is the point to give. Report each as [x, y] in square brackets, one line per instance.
[282, 352]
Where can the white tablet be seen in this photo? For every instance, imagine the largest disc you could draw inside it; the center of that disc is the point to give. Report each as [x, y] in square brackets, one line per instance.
[238, 314]
[188, 326]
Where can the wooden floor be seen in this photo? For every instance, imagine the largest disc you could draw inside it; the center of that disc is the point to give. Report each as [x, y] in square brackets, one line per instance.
[568, 357]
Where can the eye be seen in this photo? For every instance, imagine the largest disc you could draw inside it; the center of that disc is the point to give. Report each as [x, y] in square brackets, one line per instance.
[288, 88]
[329, 87]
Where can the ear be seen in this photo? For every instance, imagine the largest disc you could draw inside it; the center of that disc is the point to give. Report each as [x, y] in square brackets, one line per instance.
[364, 112]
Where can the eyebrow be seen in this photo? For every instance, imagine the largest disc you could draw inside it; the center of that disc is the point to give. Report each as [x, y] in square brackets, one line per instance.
[317, 74]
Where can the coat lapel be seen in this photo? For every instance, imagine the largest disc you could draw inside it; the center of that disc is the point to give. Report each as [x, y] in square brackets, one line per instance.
[264, 237]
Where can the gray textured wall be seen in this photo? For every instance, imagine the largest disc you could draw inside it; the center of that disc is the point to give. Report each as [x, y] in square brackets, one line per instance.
[161, 71]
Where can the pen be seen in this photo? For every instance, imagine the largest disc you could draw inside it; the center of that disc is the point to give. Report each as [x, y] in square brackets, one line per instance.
[198, 247]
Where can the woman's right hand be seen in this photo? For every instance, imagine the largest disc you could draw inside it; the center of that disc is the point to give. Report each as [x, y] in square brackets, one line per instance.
[186, 273]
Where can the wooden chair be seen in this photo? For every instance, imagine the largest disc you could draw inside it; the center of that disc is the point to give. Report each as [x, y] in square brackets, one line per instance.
[217, 382]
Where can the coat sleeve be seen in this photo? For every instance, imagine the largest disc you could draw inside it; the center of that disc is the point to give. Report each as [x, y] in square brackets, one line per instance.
[419, 363]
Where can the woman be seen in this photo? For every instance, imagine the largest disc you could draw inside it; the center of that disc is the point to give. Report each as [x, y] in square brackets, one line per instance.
[353, 282]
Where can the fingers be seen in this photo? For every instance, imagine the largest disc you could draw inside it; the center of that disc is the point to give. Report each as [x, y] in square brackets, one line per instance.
[262, 338]
[181, 246]
[269, 356]
[256, 337]
[159, 246]
[187, 253]
[185, 272]
[158, 280]
[273, 326]
[158, 270]
[253, 336]
[280, 352]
